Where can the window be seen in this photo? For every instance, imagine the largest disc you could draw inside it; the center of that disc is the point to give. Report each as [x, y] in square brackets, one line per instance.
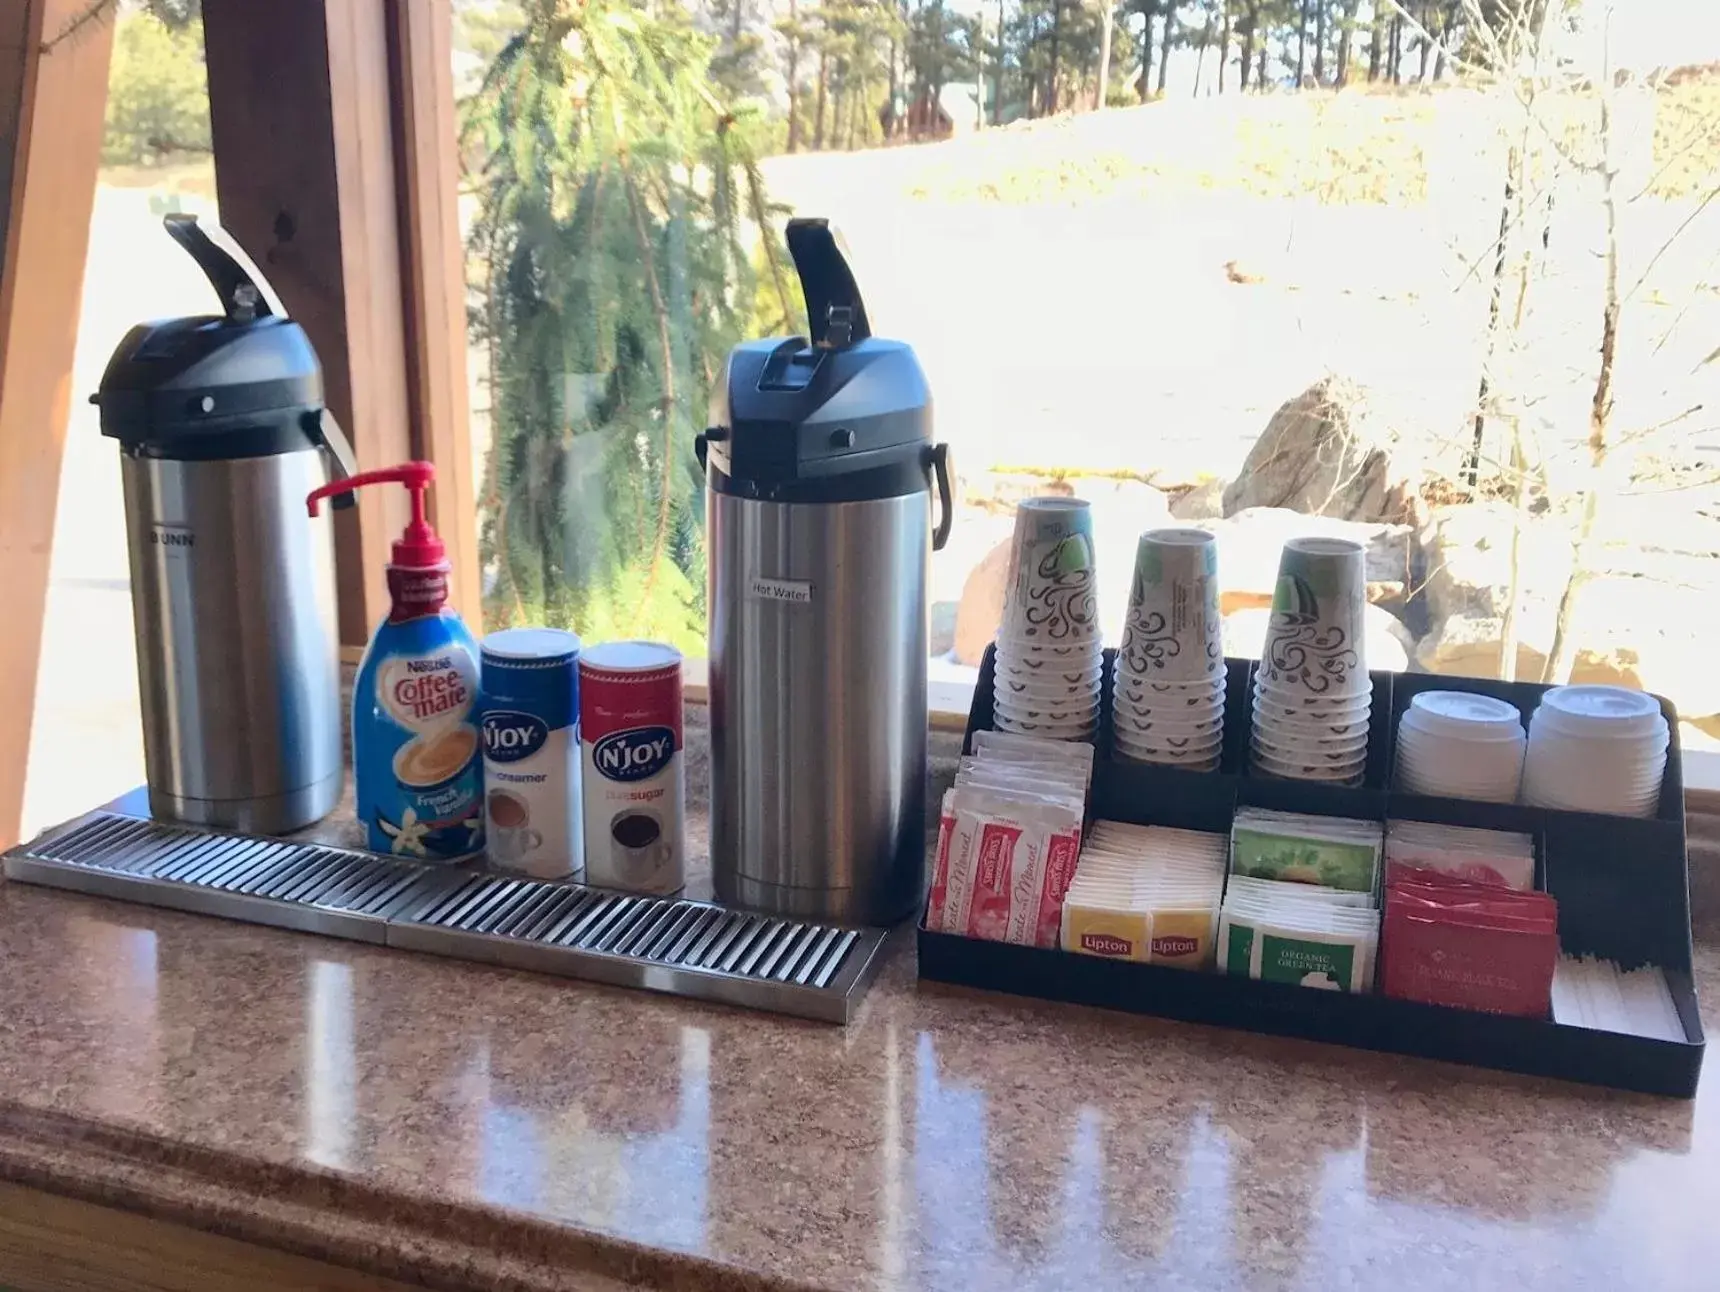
[86, 741]
[1378, 263]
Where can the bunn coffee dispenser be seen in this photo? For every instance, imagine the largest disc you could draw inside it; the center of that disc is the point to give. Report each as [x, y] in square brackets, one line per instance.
[819, 467]
[222, 434]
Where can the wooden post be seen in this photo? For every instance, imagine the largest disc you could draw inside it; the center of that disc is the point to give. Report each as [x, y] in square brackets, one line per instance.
[52, 103]
[426, 132]
[353, 225]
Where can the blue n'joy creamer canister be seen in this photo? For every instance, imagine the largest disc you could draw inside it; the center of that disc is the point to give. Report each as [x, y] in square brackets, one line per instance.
[531, 752]
[417, 760]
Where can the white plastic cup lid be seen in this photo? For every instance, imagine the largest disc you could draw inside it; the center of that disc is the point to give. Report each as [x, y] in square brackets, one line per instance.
[1466, 708]
[1603, 708]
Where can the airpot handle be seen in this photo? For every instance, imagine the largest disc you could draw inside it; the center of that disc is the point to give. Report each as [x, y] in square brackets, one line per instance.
[835, 314]
[244, 293]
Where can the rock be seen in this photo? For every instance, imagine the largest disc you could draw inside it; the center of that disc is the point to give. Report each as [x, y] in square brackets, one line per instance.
[981, 608]
[1388, 643]
[1329, 452]
[943, 626]
[1465, 553]
[1250, 543]
[1629, 630]
[1122, 509]
[1203, 502]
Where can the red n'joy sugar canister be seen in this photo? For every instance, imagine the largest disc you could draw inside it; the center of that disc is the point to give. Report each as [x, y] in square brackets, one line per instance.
[630, 754]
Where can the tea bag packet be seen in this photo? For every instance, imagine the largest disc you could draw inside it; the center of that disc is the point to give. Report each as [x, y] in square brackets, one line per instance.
[1276, 891]
[1468, 945]
[1498, 857]
[1146, 893]
[1100, 918]
[1333, 852]
[1309, 944]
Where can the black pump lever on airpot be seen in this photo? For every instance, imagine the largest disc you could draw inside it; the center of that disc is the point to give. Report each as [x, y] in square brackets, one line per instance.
[245, 294]
[835, 314]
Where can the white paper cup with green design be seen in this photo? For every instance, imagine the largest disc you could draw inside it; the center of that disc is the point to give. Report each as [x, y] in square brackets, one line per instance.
[1050, 598]
[1171, 632]
[1314, 645]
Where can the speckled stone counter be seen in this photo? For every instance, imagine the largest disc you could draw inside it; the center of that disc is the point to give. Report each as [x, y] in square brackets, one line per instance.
[474, 1128]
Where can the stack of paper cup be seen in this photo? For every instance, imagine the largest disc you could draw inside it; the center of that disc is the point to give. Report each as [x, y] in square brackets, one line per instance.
[1050, 656]
[1596, 749]
[1312, 693]
[1168, 692]
[1455, 744]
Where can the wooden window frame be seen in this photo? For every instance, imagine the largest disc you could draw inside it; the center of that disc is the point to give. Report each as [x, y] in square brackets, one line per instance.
[336, 158]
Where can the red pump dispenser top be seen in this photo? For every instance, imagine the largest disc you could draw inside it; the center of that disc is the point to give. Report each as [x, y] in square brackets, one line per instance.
[418, 574]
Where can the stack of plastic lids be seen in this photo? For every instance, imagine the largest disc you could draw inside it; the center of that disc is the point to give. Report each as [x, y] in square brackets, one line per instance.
[1596, 749]
[1459, 745]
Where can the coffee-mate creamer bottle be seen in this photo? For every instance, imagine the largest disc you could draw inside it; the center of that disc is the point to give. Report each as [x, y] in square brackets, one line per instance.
[417, 761]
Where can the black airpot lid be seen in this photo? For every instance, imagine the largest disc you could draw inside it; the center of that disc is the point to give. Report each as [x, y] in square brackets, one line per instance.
[837, 416]
[240, 384]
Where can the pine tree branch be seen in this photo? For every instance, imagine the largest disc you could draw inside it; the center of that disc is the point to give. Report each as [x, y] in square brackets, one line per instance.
[97, 11]
[668, 401]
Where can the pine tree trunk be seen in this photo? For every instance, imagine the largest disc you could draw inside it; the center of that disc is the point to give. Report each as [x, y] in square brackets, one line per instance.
[1320, 20]
[1301, 44]
[793, 79]
[823, 77]
[1260, 71]
[890, 103]
[1426, 46]
[997, 98]
[1200, 56]
[1143, 87]
[1247, 65]
[1165, 43]
[1397, 50]
[1377, 43]
[1106, 21]
[1346, 41]
[1223, 43]
[1056, 37]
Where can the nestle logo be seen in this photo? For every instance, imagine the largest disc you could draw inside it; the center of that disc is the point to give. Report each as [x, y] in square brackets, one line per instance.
[1175, 946]
[1106, 944]
[634, 755]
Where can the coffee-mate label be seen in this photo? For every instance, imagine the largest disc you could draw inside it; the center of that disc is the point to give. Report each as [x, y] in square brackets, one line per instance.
[416, 748]
[530, 731]
[633, 780]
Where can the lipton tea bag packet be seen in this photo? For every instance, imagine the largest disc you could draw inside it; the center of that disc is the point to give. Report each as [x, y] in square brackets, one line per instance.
[1094, 929]
[1183, 935]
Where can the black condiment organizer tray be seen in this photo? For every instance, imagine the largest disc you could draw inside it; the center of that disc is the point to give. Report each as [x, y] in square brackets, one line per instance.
[1621, 883]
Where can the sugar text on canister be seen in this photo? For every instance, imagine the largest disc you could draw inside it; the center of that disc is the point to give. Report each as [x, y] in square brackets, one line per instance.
[630, 761]
[530, 726]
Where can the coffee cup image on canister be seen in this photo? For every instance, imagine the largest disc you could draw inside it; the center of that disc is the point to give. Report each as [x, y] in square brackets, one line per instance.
[637, 844]
[509, 834]
[431, 760]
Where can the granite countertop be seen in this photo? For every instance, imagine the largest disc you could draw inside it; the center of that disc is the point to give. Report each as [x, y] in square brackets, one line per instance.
[476, 1128]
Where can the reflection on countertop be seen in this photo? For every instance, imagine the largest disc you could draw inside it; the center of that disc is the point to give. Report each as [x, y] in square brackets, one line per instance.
[479, 1128]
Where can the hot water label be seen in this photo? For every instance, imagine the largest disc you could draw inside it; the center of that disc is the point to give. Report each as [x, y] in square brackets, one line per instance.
[630, 762]
[531, 752]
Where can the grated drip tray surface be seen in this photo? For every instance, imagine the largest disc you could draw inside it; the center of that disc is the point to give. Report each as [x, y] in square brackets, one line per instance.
[670, 945]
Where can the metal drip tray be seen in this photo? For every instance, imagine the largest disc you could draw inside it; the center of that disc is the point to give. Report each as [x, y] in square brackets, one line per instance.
[661, 944]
